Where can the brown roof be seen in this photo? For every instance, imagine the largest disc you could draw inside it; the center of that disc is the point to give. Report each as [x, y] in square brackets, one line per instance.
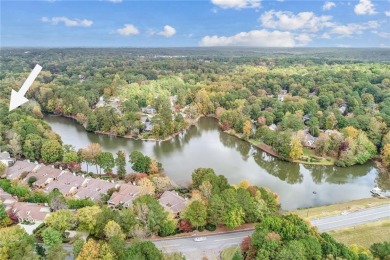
[173, 202]
[30, 211]
[126, 194]
[44, 175]
[14, 172]
[93, 189]
[7, 199]
[67, 183]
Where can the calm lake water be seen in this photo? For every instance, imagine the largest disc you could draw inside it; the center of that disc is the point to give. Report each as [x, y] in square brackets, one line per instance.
[204, 145]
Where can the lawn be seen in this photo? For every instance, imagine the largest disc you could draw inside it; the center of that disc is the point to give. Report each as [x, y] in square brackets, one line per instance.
[227, 253]
[364, 235]
[335, 209]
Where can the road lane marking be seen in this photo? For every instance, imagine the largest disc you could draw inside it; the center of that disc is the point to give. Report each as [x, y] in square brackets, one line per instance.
[228, 238]
[170, 245]
[346, 219]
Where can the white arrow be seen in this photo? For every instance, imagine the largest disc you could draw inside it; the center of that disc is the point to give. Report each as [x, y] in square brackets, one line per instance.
[17, 98]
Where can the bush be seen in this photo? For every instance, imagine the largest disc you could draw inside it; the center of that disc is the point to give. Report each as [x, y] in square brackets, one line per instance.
[31, 180]
[201, 228]
[381, 250]
[210, 227]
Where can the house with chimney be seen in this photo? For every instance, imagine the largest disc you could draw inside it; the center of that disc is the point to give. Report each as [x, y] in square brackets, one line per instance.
[43, 175]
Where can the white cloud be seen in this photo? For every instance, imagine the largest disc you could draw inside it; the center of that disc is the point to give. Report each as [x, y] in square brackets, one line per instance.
[115, 1]
[168, 31]
[68, 22]
[237, 4]
[325, 36]
[328, 5]
[127, 30]
[303, 39]
[257, 38]
[288, 21]
[350, 29]
[382, 34]
[387, 13]
[364, 7]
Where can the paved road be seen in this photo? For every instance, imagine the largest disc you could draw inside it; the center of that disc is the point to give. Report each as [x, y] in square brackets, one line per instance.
[216, 243]
[210, 247]
[352, 219]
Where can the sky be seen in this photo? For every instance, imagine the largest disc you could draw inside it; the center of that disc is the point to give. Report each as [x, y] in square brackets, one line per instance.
[205, 23]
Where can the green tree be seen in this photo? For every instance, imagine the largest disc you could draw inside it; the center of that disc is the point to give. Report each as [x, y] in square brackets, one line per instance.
[51, 151]
[77, 247]
[61, 220]
[86, 218]
[196, 214]
[113, 229]
[16, 244]
[51, 237]
[381, 250]
[140, 162]
[234, 217]
[106, 161]
[56, 252]
[144, 250]
[70, 157]
[120, 162]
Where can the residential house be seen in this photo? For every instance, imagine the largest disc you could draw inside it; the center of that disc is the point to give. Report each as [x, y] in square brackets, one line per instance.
[308, 139]
[146, 121]
[67, 183]
[149, 110]
[172, 202]
[6, 159]
[19, 170]
[273, 127]
[282, 94]
[30, 212]
[93, 189]
[306, 119]
[101, 102]
[44, 175]
[7, 199]
[343, 108]
[125, 196]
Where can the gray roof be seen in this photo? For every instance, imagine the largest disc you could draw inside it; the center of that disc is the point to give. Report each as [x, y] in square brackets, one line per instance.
[5, 156]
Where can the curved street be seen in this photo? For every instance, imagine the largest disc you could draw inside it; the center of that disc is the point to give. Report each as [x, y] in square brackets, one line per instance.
[212, 246]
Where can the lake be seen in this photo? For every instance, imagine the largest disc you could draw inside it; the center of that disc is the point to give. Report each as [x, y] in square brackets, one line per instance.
[204, 145]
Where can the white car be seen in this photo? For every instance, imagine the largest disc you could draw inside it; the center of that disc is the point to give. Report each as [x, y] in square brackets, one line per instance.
[200, 239]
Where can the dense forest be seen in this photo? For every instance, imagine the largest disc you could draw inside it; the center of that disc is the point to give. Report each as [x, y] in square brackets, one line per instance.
[307, 106]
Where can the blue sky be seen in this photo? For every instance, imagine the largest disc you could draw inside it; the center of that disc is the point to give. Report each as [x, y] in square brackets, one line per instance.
[256, 23]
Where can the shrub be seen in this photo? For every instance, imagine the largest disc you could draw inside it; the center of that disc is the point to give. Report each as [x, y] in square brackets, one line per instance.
[210, 227]
[201, 228]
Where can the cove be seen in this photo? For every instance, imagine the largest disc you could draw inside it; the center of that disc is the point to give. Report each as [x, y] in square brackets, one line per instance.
[204, 145]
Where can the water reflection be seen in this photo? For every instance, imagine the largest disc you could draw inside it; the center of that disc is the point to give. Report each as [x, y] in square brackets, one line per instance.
[205, 146]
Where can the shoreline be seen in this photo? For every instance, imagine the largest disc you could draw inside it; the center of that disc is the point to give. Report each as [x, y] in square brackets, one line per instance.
[191, 122]
[270, 151]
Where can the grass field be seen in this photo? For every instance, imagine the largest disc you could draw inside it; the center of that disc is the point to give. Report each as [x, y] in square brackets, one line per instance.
[336, 209]
[364, 235]
[227, 253]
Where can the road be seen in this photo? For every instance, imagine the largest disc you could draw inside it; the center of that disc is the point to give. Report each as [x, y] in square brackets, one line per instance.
[216, 243]
[352, 219]
[212, 246]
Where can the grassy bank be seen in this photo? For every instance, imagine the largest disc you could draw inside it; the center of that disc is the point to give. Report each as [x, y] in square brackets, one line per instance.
[338, 208]
[364, 235]
[228, 253]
